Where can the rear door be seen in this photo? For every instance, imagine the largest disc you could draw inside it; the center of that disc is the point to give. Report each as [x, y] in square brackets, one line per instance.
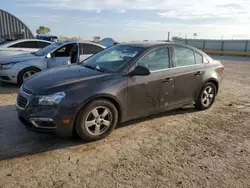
[148, 94]
[189, 69]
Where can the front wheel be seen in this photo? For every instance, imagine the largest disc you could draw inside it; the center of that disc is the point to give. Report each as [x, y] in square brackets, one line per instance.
[26, 73]
[206, 97]
[96, 120]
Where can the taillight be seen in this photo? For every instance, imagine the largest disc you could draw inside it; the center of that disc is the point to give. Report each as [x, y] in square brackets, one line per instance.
[222, 68]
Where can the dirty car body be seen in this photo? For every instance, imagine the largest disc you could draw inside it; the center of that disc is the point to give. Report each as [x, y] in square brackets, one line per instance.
[176, 75]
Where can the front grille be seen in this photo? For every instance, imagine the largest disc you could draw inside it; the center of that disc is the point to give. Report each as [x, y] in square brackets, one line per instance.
[21, 101]
[25, 90]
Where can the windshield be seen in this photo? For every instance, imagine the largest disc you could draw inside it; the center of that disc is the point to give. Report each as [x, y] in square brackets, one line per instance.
[46, 50]
[112, 59]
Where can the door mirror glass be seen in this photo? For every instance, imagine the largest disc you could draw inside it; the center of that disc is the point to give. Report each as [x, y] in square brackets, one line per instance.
[48, 55]
[139, 71]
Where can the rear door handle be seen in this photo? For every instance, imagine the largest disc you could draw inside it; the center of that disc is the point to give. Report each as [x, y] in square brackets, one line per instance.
[198, 73]
[168, 80]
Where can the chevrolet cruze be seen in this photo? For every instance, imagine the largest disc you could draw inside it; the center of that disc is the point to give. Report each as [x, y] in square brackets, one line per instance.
[120, 83]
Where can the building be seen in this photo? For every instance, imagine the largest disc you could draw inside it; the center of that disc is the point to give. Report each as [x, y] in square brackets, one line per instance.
[11, 28]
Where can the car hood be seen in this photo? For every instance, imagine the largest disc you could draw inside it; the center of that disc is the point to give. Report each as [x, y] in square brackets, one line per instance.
[18, 58]
[63, 78]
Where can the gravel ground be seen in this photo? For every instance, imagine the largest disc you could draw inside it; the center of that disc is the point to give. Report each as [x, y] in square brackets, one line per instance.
[181, 148]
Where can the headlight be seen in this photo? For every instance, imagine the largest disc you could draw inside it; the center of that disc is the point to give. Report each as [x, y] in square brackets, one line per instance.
[51, 99]
[7, 66]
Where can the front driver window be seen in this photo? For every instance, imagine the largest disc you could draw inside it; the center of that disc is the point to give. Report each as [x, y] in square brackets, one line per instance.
[64, 51]
[156, 60]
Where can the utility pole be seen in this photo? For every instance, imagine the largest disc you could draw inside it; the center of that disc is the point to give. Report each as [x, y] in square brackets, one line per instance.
[168, 36]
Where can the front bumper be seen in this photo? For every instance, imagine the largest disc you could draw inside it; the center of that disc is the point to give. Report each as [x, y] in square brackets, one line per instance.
[49, 119]
[9, 75]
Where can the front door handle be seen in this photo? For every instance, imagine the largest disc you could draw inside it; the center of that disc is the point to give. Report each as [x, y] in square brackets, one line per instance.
[198, 73]
[168, 80]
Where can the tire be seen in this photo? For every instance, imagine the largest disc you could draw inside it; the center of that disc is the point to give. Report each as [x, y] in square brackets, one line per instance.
[25, 71]
[205, 101]
[93, 116]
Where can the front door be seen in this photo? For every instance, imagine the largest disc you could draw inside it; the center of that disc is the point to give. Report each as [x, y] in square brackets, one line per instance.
[147, 94]
[61, 56]
[188, 75]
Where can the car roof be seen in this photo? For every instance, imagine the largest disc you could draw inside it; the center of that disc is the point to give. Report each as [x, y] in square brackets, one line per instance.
[22, 40]
[80, 42]
[155, 44]
[146, 44]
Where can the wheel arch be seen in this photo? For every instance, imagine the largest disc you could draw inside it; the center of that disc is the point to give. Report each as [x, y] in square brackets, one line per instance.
[212, 80]
[29, 67]
[108, 97]
[215, 82]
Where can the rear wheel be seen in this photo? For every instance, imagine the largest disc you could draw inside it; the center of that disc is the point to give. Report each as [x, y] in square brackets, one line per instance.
[96, 120]
[206, 97]
[26, 73]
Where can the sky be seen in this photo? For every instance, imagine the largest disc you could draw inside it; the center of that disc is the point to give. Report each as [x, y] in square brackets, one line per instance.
[126, 20]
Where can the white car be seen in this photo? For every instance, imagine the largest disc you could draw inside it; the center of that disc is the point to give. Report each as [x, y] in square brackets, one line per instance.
[22, 46]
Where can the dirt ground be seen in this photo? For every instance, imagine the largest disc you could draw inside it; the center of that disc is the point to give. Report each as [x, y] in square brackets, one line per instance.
[181, 148]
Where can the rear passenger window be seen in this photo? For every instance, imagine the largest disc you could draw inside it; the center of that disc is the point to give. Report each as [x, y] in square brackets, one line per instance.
[27, 44]
[41, 44]
[156, 60]
[18, 45]
[198, 58]
[184, 56]
[90, 48]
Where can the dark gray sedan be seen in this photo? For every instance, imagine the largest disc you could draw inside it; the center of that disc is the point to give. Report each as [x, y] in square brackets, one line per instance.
[120, 83]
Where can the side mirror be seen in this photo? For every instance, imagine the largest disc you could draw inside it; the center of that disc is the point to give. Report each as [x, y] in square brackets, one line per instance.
[139, 71]
[48, 55]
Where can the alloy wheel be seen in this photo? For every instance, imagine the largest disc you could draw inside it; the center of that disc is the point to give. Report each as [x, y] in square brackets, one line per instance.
[208, 96]
[98, 121]
[28, 74]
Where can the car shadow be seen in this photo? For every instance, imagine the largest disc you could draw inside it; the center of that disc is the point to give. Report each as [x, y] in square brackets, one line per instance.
[7, 88]
[16, 141]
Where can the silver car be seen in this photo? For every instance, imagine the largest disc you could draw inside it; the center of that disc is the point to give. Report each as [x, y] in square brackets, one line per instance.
[22, 46]
[15, 69]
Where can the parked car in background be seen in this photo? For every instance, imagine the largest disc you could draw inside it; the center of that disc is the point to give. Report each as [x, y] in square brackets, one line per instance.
[50, 38]
[22, 46]
[120, 83]
[15, 69]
